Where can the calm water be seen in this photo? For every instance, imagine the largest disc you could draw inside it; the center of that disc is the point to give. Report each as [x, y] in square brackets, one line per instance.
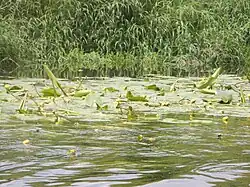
[202, 152]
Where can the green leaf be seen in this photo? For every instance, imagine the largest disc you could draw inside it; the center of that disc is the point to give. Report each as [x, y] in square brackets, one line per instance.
[140, 138]
[242, 96]
[110, 89]
[131, 113]
[173, 87]
[131, 97]
[225, 97]
[53, 79]
[208, 91]
[82, 93]
[50, 92]
[21, 109]
[93, 98]
[14, 88]
[153, 104]
[101, 108]
[153, 87]
[161, 93]
[210, 81]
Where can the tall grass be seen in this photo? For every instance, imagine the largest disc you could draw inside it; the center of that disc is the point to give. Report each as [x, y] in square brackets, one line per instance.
[124, 37]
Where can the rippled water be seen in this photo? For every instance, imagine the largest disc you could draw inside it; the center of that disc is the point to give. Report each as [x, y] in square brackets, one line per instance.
[184, 153]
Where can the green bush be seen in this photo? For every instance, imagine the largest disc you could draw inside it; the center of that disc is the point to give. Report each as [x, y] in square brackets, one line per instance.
[11, 55]
[126, 38]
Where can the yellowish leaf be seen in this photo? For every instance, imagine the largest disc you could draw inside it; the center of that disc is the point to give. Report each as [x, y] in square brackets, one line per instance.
[225, 119]
[25, 142]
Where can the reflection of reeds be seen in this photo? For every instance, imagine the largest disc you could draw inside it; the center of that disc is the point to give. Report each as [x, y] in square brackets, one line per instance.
[124, 38]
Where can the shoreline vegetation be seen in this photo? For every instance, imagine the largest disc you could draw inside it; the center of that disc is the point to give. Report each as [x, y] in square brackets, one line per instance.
[124, 38]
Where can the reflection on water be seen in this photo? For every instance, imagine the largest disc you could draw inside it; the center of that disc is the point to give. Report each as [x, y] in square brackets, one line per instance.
[108, 152]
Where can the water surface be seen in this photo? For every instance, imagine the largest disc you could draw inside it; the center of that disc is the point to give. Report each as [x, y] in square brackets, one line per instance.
[175, 151]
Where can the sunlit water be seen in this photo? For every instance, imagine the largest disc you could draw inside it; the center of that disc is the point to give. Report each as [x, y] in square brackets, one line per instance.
[202, 152]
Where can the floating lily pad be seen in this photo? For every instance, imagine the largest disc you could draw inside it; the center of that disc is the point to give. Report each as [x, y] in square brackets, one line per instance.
[153, 87]
[81, 93]
[110, 89]
[131, 97]
[50, 92]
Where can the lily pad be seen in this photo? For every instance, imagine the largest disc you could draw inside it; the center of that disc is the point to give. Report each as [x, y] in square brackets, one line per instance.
[131, 97]
[81, 93]
[209, 81]
[50, 92]
[110, 89]
[153, 87]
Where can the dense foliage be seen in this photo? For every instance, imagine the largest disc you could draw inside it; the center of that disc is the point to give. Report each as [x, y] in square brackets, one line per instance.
[124, 37]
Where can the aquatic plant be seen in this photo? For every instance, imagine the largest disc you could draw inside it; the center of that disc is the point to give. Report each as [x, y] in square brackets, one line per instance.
[61, 104]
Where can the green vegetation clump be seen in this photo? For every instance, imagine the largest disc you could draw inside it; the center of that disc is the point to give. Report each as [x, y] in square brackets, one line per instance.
[124, 38]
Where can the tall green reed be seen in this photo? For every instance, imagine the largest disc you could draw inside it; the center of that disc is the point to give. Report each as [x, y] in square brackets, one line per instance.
[128, 37]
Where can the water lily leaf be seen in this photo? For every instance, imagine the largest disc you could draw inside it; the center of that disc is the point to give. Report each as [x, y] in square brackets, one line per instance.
[165, 104]
[173, 87]
[209, 101]
[131, 97]
[50, 92]
[191, 117]
[225, 100]
[82, 93]
[210, 81]
[146, 140]
[208, 91]
[153, 87]
[242, 96]
[225, 97]
[225, 119]
[53, 79]
[21, 107]
[101, 108]
[93, 98]
[71, 152]
[140, 138]
[161, 93]
[4, 100]
[131, 113]
[110, 89]
[121, 100]
[25, 142]
[153, 104]
[70, 112]
[12, 88]
[151, 140]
